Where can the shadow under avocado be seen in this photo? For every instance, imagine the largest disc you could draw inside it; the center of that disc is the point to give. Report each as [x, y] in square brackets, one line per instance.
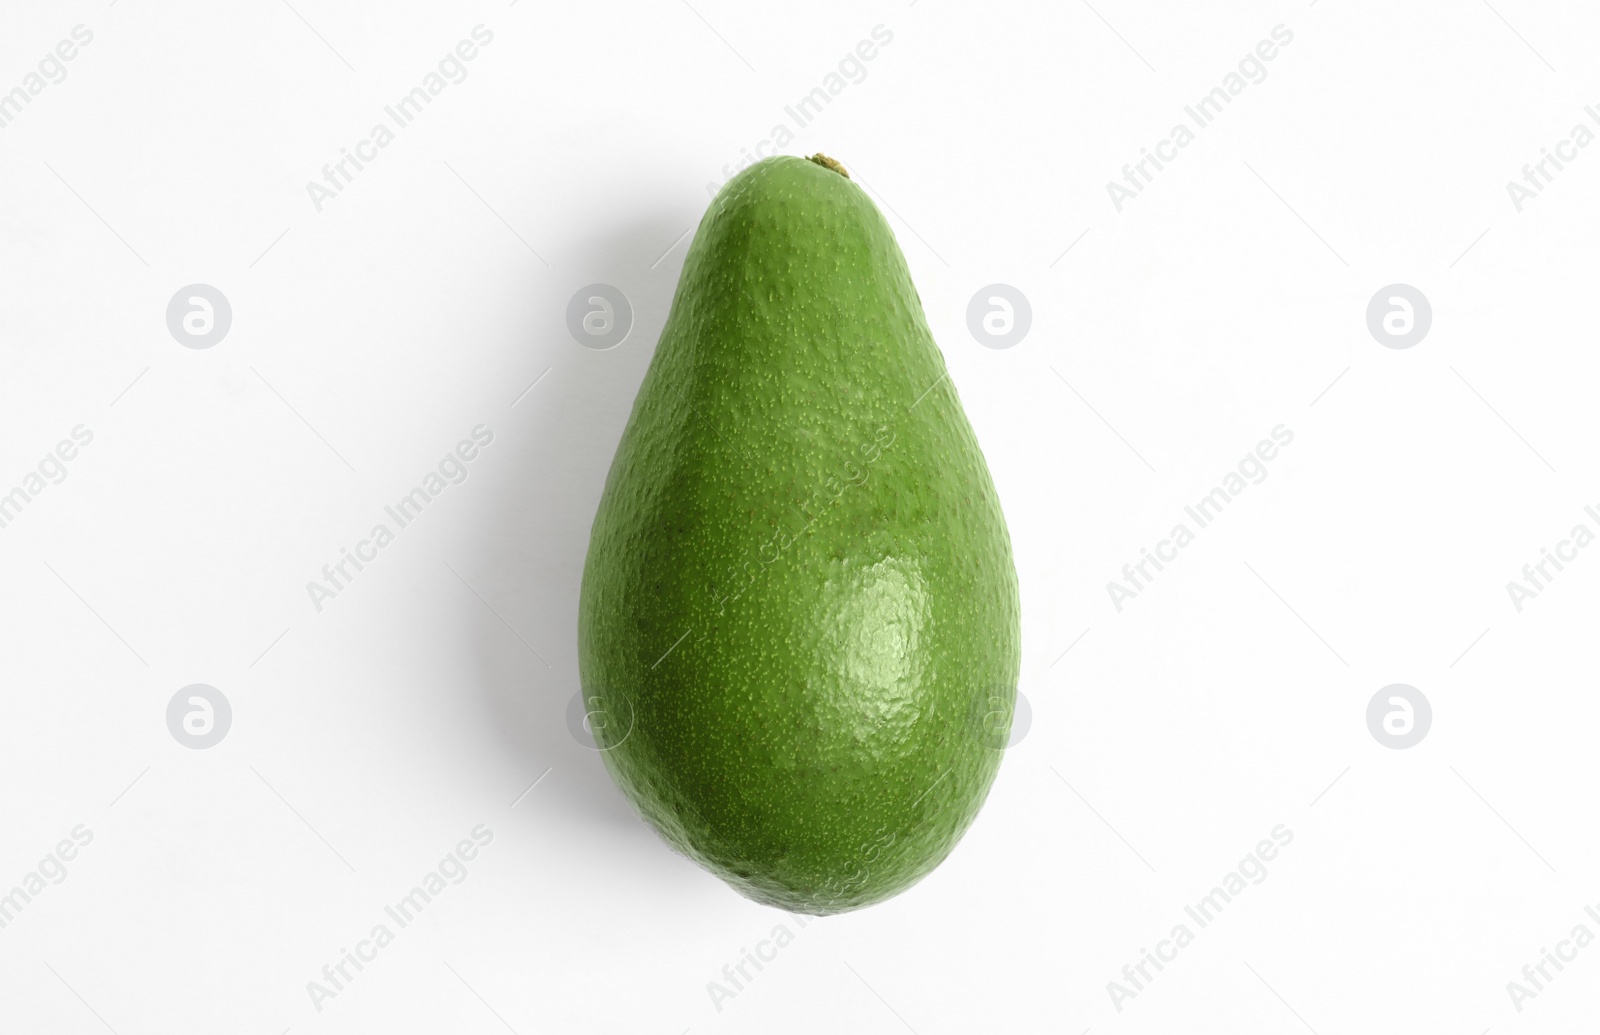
[555, 448]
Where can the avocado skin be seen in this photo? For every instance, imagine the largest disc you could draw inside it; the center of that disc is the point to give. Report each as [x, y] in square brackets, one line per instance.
[799, 611]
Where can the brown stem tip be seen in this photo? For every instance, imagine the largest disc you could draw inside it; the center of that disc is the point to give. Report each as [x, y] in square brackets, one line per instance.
[829, 163]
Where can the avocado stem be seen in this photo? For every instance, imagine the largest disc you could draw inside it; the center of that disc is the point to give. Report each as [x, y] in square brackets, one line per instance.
[829, 163]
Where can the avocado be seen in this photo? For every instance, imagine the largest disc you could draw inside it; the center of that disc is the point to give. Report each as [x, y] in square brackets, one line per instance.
[799, 610]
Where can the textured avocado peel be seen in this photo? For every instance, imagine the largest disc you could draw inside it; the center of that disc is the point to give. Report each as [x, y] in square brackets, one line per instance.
[799, 587]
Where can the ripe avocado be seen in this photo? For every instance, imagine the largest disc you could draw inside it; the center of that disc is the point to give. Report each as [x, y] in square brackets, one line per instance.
[799, 609]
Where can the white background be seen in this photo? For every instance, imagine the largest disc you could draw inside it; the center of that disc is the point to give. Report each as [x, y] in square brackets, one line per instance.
[368, 338]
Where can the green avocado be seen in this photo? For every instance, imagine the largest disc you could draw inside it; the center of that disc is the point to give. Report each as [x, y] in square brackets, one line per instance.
[798, 631]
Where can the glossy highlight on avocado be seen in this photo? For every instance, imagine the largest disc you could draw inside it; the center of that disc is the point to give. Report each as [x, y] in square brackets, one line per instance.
[799, 605]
